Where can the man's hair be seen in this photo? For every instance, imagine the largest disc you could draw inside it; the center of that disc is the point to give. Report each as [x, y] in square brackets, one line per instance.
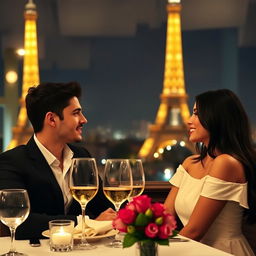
[49, 97]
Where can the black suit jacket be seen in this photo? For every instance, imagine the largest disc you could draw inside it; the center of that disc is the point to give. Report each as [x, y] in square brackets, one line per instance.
[25, 167]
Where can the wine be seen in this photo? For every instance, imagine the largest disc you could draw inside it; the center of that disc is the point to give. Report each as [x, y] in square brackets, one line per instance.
[84, 183]
[117, 195]
[137, 190]
[83, 194]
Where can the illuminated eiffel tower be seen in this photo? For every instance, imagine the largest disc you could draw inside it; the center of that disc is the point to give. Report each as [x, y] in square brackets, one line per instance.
[23, 130]
[170, 124]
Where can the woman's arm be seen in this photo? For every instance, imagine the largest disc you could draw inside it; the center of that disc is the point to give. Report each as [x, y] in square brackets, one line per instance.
[226, 168]
[204, 214]
[170, 200]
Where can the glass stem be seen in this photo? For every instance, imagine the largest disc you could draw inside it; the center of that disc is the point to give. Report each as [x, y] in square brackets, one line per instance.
[12, 231]
[117, 236]
[83, 240]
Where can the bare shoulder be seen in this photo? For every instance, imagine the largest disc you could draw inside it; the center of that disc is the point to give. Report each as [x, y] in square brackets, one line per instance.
[189, 161]
[227, 168]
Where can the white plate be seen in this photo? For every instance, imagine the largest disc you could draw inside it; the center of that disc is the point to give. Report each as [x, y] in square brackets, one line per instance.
[112, 232]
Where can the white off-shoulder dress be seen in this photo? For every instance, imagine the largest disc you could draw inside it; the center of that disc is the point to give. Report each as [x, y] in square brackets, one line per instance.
[225, 233]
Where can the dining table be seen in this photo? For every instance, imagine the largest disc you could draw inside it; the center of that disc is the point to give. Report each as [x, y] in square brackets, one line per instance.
[178, 247]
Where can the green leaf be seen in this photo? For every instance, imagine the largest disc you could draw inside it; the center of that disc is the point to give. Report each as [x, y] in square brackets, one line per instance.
[141, 220]
[129, 240]
[174, 233]
[163, 241]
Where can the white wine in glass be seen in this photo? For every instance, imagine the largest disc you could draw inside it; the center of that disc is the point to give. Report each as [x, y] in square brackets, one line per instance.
[14, 209]
[84, 184]
[138, 178]
[117, 186]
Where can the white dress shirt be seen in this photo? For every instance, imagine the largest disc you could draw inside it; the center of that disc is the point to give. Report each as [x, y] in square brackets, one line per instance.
[62, 176]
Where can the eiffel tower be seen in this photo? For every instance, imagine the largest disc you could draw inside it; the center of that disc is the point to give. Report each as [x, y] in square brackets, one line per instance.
[170, 123]
[23, 130]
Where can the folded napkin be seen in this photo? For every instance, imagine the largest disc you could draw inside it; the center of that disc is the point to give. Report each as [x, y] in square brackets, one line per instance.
[93, 227]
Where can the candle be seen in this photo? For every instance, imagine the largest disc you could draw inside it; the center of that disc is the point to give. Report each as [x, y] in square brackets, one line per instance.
[61, 237]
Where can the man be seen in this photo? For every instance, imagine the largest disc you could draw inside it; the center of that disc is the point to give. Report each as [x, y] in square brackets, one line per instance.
[42, 166]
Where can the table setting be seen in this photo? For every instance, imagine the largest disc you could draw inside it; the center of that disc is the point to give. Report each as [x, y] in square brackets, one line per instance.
[141, 227]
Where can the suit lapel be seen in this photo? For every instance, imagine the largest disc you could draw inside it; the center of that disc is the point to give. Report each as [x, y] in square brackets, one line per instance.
[41, 164]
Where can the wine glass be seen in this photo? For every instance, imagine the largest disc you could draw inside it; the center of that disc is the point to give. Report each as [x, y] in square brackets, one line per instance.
[138, 178]
[14, 209]
[117, 186]
[84, 184]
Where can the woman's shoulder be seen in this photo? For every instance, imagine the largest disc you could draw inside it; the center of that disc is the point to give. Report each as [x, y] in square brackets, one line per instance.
[189, 161]
[228, 168]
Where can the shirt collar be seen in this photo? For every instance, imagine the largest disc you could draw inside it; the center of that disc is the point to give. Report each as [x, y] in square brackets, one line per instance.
[50, 158]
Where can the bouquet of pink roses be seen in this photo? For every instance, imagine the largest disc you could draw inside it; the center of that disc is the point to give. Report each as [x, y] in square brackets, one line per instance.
[143, 221]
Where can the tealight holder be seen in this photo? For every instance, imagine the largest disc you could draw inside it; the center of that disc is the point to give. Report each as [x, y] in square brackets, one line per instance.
[61, 235]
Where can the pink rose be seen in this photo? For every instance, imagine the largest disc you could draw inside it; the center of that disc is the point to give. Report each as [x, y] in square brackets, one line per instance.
[142, 203]
[158, 209]
[170, 220]
[151, 230]
[131, 206]
[118, 224]
[126, 215]
[165, 231]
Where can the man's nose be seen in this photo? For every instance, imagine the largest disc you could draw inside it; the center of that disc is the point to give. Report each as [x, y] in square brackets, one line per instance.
[83, 119]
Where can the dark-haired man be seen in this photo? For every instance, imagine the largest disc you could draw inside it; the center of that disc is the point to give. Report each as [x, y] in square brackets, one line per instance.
[42, 165]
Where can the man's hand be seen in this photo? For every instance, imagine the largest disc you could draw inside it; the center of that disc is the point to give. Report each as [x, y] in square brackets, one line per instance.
[109, 214]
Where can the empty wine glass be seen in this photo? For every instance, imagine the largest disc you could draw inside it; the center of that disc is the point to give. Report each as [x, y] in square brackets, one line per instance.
[84, 184]
[14, 209]
[117, 186]
[138, 178]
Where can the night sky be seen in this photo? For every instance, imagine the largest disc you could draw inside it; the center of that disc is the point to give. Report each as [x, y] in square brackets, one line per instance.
[125, 77]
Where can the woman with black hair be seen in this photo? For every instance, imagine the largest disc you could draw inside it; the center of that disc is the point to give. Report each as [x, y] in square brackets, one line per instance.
[213, 190]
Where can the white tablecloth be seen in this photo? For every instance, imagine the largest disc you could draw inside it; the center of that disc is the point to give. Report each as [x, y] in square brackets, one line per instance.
[190, 248]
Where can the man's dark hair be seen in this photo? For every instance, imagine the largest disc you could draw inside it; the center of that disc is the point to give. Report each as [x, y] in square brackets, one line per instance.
[49, 97]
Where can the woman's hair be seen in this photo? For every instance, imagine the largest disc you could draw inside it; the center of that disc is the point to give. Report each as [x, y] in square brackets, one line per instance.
[221, 113]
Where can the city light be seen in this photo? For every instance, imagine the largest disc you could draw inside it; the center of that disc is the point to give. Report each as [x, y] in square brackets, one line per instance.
[169, 147]
[161, 150]
[182, 143]
[20, 52]
[174, 1]
[168, 173]
[156, 155]
[11, 77]
[118, 135]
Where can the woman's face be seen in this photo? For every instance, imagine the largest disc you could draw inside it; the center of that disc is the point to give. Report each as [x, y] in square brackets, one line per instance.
[197, 133]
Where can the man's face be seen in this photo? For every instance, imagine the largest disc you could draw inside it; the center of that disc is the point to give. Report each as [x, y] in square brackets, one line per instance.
[70, 128]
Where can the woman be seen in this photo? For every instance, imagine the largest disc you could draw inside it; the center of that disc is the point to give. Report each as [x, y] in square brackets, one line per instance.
[213, 189]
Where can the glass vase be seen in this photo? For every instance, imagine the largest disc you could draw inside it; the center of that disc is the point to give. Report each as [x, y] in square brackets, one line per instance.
[147, 249]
